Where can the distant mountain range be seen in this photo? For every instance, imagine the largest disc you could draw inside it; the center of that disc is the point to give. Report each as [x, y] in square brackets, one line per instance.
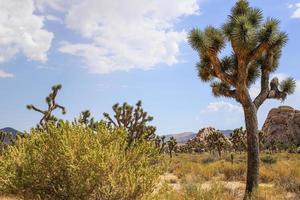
[10, 130]
[180, 137]
[185, 136]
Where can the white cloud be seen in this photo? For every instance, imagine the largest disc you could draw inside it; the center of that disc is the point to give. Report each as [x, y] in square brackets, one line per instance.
[4, 74]
[222, 106]
[42, 5]
[134, 34]
[54, 18]
[22, 31]
[296, 12]
[221, 115]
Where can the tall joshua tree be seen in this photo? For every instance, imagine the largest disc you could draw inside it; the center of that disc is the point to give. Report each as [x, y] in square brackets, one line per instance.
[52, 105]
[256, 49]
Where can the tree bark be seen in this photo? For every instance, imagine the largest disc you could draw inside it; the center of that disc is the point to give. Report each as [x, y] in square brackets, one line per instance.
[220, 152]
[250, 113]
[170, 153]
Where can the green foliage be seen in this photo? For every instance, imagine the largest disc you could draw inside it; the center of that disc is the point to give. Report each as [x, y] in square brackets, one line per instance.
[195, 145]
[48, 116]
[77, 162]
[209, 159]
[216, 140]
[268, 159]
[3, 138]
[288, 86]
[86, 119]
[238, 139]
[134, 120]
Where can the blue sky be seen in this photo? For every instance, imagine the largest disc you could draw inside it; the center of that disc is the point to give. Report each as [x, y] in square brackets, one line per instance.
[104, 52]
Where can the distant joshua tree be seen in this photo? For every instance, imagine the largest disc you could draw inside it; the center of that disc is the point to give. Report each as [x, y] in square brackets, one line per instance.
[134, 119]
[172, 144]
[160, 143]
[86, 119]
[48, 116]
[256, 49]
[238, 139]
[196, 144]
[5, 139]
[216, 140]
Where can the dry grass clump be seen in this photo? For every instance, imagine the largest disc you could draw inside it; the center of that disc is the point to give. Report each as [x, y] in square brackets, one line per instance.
[284, 174]
[233, 172]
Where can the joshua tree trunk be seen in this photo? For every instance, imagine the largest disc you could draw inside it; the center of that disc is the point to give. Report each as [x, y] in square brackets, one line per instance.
[250, 112]
[220, 152]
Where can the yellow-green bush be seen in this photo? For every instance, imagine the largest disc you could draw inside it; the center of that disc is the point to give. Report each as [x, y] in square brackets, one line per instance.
[76, 162]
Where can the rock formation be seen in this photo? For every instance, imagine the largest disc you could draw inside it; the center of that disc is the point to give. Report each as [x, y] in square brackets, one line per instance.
[283, 125]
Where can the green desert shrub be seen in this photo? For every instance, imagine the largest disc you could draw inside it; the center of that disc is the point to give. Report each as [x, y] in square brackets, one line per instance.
[209, 159]
[267, 159]
[75, 162]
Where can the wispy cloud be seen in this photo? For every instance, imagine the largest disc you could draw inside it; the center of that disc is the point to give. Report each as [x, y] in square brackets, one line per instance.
[54, 19]
[111, 86]
[4, 74]
[222, 115]
[296, 8]
[46, 67]
[222, 106]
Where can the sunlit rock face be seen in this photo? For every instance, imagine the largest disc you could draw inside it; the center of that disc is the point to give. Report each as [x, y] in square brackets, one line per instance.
[283, 124]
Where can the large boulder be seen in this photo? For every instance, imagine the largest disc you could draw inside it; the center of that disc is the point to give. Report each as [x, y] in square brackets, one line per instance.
[283, 125]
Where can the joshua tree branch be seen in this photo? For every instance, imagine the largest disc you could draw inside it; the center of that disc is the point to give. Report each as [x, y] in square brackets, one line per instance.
[258, 51]
[37, 109]
[223, 76]
[224, 92]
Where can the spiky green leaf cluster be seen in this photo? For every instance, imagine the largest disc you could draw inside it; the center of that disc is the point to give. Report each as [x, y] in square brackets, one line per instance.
[211, 39]
[288, 85]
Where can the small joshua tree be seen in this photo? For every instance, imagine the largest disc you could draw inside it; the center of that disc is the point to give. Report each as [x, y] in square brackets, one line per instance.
[196, 144]
[86, 119]
[216, 140]
[48, 116]
[257, 46]
[3, 137]
[172, 143]
[160, 143]
[134, 120]
[238, 139]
